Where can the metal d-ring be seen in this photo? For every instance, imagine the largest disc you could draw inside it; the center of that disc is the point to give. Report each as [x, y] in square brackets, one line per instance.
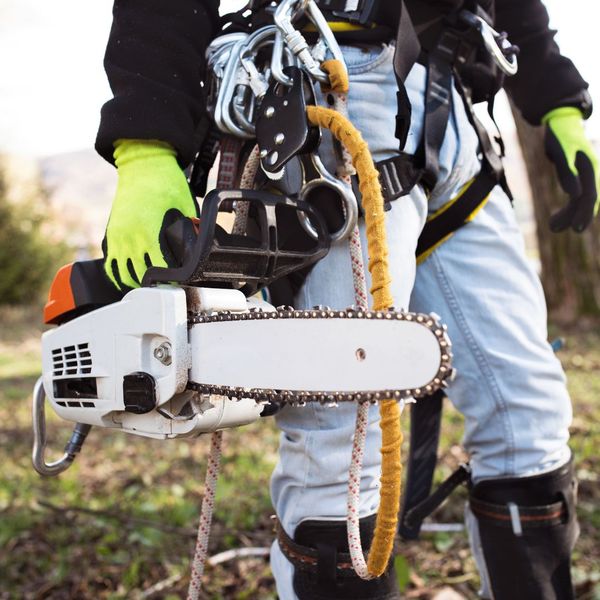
[316, 176]
[39, 437]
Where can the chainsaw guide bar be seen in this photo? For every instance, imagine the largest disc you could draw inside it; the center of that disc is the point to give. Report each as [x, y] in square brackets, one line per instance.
[299, 397]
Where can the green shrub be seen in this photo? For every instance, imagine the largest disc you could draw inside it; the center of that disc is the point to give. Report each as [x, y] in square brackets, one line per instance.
[29, 253]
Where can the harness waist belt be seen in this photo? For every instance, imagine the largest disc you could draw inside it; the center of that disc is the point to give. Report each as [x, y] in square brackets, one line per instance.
[305, 558]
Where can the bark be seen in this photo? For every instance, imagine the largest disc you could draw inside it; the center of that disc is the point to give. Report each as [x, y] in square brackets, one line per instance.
[570, 261]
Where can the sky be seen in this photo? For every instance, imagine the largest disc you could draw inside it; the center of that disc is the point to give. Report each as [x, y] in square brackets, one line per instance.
[52, 82]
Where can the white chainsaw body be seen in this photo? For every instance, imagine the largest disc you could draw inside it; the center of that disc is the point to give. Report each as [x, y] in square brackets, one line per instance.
[119, 339]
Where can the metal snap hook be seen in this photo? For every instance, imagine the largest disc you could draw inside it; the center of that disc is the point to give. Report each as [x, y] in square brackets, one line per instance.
[494, 43]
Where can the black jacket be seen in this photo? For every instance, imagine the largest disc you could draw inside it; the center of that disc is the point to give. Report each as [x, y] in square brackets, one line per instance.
[155, 60]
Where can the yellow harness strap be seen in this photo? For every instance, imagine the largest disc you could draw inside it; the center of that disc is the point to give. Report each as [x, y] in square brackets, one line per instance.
[373, 207]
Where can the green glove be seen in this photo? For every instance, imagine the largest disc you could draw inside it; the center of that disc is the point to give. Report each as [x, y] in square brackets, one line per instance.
[577, 167]
[150, 184]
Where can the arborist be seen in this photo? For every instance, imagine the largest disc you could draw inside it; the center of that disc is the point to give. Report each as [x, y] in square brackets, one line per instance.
[416, 68]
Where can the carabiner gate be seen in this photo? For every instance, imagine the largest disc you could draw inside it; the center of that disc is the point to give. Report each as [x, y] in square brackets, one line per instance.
[285, 13]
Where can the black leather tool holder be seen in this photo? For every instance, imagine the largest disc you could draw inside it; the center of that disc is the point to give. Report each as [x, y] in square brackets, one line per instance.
[274, 246]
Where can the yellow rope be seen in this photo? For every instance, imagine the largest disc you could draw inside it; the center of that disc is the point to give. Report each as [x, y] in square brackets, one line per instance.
[372, 202]
[338, 77]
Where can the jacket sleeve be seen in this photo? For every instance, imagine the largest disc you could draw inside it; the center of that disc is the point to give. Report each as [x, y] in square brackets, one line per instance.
[155, 62]
[546, 79]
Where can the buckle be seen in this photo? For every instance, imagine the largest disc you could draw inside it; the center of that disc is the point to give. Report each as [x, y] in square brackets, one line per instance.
[355, 11]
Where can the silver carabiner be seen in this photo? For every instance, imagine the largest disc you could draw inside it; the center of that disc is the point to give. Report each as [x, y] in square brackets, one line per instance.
[222, 115]
[315, 176]
[295, 41]
[39, 437]
[243, 85]
[218, 54]
[326, 35]
[494, 43]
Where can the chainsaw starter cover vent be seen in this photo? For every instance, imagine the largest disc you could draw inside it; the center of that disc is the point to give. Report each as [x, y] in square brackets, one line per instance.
[72, 360]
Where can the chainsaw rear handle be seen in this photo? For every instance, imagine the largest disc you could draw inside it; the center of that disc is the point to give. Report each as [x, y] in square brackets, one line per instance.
[72, 448]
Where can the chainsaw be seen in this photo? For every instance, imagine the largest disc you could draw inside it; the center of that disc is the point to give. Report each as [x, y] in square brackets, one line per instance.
[196, 349]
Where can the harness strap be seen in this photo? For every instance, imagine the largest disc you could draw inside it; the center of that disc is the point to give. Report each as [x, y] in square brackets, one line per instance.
[405, 56]
[438, 102]
[456, 213]
[414, 517]
[528, 517]
[425, 427]
[204, 161]
[306, 558]
[397, 174]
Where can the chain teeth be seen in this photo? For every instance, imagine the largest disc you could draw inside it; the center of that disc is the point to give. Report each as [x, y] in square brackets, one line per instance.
[301, 397]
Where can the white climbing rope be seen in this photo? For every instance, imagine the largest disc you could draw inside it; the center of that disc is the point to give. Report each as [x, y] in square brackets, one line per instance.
[359, 563]
[214, 458]
[208, 504]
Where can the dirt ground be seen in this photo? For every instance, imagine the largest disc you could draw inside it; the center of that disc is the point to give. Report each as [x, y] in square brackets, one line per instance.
[121, 522]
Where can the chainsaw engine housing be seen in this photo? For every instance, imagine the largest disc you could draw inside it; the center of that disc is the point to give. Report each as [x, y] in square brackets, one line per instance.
[126, 365]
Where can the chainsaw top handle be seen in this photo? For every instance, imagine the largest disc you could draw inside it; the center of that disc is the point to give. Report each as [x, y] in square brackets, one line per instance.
[274, 245]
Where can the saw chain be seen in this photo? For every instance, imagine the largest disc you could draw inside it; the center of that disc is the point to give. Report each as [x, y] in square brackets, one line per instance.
[301, 397]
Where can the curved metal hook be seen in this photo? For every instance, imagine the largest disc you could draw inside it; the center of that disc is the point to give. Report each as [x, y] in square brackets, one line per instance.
[494, 43]
[39, 437]
[312, 165]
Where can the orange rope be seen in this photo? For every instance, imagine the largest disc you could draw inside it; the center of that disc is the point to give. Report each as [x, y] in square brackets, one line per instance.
[372, 202]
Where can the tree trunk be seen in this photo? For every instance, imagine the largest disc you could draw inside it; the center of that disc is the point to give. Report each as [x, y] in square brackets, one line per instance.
[570, 261]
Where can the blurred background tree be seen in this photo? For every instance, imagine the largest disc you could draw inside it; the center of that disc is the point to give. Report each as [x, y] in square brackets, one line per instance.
[30, 247]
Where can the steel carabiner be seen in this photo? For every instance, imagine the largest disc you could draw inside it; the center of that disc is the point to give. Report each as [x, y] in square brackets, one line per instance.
[284, 14]
[497, 45]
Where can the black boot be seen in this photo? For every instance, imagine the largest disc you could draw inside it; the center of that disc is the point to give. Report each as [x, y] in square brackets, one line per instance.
[527, 529]
[322, 564]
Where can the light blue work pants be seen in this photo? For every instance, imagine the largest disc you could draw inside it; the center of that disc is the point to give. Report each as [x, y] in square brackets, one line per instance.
[509, 386]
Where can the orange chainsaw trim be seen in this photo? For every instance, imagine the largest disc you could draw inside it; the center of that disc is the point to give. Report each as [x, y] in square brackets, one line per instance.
[60, 296]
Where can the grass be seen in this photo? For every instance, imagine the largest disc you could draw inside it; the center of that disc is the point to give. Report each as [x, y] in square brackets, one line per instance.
[121, 522]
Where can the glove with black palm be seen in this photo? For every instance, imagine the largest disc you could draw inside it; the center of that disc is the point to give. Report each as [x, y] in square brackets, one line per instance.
[577, 167]
[151, 188]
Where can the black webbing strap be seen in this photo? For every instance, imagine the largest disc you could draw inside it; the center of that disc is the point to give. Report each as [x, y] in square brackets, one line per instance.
[414, 517]
[362, 12]
[425, 425]
[406, 54]
[456, 213]
[204, 161]
[438, 102]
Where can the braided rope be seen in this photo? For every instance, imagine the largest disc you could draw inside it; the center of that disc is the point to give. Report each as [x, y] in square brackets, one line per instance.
[242, 208]
[391, 466]
[339, 93]
[208, 504]
[214, 458]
